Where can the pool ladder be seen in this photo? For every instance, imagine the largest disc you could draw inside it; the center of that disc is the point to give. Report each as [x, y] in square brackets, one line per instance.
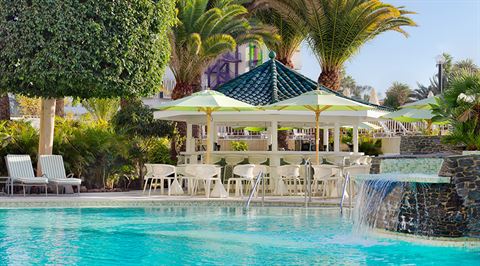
[344, 192]
[257, 182]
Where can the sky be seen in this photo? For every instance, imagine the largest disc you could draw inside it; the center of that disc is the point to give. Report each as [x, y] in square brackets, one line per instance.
[451, 26]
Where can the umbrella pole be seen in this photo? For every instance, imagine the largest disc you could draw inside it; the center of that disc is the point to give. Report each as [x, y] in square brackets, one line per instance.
[317, 136]
[209, 117]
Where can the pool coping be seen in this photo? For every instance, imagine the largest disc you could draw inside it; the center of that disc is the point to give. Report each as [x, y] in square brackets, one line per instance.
[460, 242]
[104, 200]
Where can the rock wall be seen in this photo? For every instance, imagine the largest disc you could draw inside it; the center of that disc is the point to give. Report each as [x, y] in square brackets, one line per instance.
[425, 145]
[465, 173]
[443, 210]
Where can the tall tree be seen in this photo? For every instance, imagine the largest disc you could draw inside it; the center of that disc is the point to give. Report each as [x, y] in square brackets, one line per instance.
[337, 29]
[290, 37]
[285, 47]
[56, 48]
[398, 94]
[205, 30]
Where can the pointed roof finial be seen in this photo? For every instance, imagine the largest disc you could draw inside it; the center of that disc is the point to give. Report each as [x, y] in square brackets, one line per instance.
[272, 55]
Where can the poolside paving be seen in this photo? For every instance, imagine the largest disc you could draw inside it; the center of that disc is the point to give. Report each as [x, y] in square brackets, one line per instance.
[137, 199]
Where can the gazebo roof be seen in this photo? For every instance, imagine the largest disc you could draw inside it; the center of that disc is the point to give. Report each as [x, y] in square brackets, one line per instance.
[272, 82]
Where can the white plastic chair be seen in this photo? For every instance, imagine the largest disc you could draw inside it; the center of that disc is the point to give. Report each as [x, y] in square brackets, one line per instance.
[230, 162]
[53, 168]
[257, 159]
[20, 173]
[201, 174]
[325, 178]
[293, 159]
[245, 174]
[289, 176]
[159, 173]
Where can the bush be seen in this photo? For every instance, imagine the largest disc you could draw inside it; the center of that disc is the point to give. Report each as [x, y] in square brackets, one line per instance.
[239, 146]
[370, 146]
[17, 137]
[92, 150]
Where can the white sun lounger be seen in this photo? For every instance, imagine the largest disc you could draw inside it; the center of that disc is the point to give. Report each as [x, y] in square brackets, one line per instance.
[53, 168]
[20, 172]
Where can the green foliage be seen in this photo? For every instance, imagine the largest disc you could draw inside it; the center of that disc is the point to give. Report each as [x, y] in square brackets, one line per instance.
[460, 107]
[88, 48]
[450, 70]
[239, 146]
[205, 30]
[136, 119]
[101, 109]
[370, 146]
[17, 137]
[337, 29]
[289, 37]
[397, 95]
[91, 149]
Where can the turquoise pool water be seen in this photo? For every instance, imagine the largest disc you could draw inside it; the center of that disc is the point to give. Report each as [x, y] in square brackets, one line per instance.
[203, 236]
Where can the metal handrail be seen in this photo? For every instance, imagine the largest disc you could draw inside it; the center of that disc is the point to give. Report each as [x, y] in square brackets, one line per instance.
[344, 191]
[259, 178]
[308, 185]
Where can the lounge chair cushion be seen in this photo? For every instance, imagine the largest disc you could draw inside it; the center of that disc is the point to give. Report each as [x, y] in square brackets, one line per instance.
[34, 180]
[65, 181]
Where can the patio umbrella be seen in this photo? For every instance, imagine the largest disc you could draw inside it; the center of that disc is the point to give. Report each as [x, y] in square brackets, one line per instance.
[207, 102]
[318, 101]
[423, 104]
[410, 115]
[366, 125]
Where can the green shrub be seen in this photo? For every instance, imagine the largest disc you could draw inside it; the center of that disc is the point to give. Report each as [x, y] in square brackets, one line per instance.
[370, 146]
[239, 146]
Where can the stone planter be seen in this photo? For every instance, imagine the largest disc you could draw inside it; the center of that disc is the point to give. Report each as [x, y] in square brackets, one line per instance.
[470, 152]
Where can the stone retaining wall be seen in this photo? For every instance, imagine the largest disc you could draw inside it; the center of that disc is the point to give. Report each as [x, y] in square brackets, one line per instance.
[425, 145]
[441, 210]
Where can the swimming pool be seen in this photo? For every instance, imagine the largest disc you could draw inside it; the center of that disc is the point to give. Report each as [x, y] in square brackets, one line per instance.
[203, 236]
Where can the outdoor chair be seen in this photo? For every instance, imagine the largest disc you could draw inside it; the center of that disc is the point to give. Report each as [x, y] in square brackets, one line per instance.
[325, 179]
[230, 162]
[54, 170]
[245, 174]
[20, 172]
[293, 159]
[257, 159]
[158, 174]
[289, 179]
[201, 174]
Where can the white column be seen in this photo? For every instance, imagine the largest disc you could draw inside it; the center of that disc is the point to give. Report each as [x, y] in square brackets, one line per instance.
[212, 132]
[336, 138]
[326, 136]
[355, 138]
[274, 136]
[188, 142]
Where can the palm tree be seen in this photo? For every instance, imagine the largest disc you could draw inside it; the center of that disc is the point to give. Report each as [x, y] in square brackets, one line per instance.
[337, 29]
[398, 94]
[290, 37]
[205, 30]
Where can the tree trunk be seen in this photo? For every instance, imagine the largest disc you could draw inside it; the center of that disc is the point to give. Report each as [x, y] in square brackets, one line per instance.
[287, 62]
[183, 89]
[47, 125]
[330, 78]
[60, 107]
[4, 107]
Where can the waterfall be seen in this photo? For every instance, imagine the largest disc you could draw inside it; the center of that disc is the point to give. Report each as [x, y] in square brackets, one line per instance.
[391, 205]
[371, 208]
